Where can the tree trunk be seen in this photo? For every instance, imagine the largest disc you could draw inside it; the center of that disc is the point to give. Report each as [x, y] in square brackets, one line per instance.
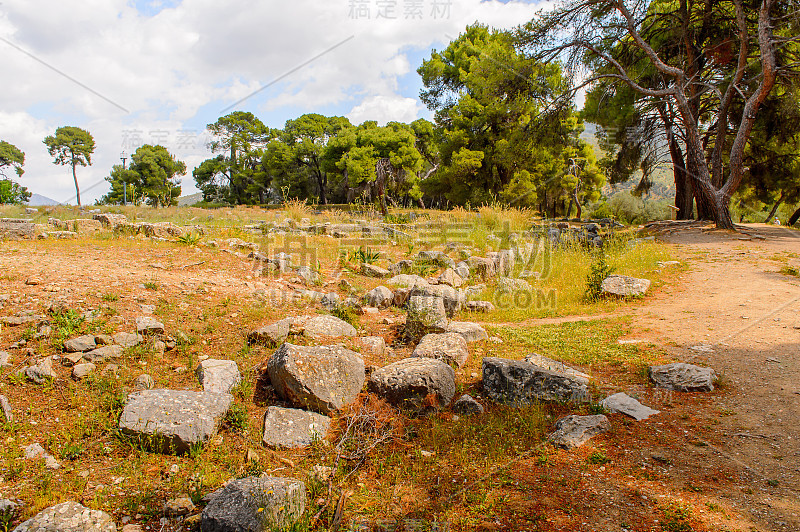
[323, 200]
[775, 207]
[75, 178]
[684, 189]
[794, 218]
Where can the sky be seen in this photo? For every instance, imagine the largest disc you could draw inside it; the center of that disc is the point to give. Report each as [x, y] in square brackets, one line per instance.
[135, 72]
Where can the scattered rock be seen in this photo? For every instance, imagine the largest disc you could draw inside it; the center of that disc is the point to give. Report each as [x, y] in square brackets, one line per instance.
[466, 405]
[172, 420]
[624, 286]
[41, 372]
[450, 278]
[148, 325]
[255, 504]
[5, 408]
[415, 383]
[557, 367]
[485, 268]
[450, 348]
[272, 334]
[330, 301]
[374, 345]
[218, 376]
[107, 352]
[4, 359]
[127, 340]
[34, 451]
[574, 431]
[143, 382]
[426, 313]
[308, 275]
[323, 378]
[480, 306]
[624, 404]
[407, 281]
[292, 428]
[103, 339]
[683, 377]
[81, 371]
[517, 382]
[321, 473]
[472, 332]
[380, 297]
[179, 506]
[81, 344]
[68, 517]
[370, 270]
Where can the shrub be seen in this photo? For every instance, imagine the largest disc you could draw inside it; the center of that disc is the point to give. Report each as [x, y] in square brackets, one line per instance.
[599, 270]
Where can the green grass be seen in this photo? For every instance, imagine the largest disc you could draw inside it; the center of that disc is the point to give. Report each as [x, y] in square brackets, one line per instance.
[586, 343]
[561, 290]
[789, 270]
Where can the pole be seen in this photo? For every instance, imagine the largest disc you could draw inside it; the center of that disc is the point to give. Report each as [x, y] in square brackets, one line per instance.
[124, 157]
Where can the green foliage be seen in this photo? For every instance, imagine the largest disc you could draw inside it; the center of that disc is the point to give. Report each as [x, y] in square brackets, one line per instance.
[11, 192]
[675, 518]
[190, 239]
[599, 270]
[497, 138]
[11, 157]
[237, 418]
[632, 210]
[151, 285]
[348, 314]
[363, 255]
[73, 146]
[236, 176]
[789, 270]
[152, 178]
[597, 458]
[66, 322]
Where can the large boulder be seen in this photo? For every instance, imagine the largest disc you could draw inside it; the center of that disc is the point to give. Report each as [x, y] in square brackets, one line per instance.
[557, 366]
[482, 267]
[683, 377]
[380, 297]
[415, 383]
[453, 299]
[68, 517]
[426, 313]
[173, 420]
[255, 504]
[472, 332]
[574, 431]
[291, 428]
[272, 334]
[110, 221]
[519, 383]
[218, 376]
[323, 378]
[324, 326]
[450, 278]
[447, 347]
[624, 286]
[407, 281]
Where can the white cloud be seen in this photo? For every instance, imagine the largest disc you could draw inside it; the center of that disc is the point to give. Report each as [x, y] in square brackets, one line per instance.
[385, 109]
[178, 69]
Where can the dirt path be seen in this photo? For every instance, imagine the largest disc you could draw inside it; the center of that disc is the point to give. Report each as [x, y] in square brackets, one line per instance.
[743, 319]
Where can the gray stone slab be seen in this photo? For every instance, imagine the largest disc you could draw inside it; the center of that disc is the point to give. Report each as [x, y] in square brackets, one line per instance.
[683, 377]
[517, 382]
[624, 404]
[173, 420]
[292, 428]
[574, 431]
[255, 504]
[218, 376]
[68, 517]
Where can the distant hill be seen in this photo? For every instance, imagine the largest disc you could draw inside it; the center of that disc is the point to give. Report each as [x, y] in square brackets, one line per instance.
[188, 201]
[37, 200]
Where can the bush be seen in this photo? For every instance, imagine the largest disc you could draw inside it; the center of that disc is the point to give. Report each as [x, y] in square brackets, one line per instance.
[599, 270]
